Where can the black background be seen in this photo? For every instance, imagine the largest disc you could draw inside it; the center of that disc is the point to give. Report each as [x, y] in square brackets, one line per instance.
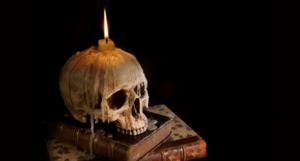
[210, 63]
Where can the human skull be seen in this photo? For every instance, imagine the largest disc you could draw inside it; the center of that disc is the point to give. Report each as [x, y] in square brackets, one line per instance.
[106, 83]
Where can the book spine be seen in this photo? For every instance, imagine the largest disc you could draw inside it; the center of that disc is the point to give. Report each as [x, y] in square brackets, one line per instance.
[80, 137]
[183, 152]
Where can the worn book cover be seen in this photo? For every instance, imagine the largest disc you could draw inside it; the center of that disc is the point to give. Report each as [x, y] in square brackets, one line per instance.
[183, 143]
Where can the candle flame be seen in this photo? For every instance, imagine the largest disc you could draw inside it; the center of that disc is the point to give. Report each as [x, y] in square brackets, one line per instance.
[105, 26]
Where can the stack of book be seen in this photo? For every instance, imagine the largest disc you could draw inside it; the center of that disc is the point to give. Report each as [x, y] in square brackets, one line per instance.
[69, 141]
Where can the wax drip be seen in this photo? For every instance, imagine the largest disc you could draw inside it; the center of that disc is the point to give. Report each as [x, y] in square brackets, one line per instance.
[96, 116]
[112, 73]
[86, 83]
[97, 94]
[139, 89]
[124, 64]
[111, 64]
[71, 72]
[147, 100]
[92, 129]
[93, 84]
[104, 105]
[92, 120]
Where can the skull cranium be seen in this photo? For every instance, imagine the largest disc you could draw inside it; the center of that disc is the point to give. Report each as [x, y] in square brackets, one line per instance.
[108, 84]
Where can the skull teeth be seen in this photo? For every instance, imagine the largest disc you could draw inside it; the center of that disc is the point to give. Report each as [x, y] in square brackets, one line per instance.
[133, 132]
[138, 131]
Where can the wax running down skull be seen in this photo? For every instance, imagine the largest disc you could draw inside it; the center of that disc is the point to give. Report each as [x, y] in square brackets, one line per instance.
[106, 83]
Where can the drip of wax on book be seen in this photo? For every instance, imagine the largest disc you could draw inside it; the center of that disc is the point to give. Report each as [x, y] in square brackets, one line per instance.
[151, 124]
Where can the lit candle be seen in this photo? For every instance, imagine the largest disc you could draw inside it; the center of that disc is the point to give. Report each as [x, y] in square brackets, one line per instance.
[106, 43]
[105, 26]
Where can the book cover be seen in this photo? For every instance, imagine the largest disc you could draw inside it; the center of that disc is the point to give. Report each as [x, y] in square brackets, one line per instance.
[183, 144]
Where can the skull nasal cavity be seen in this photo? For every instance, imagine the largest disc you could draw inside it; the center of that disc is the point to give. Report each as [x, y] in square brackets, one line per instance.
[135, 110]
[117, 100]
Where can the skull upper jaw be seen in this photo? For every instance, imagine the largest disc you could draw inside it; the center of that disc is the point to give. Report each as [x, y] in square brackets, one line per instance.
[135, 126]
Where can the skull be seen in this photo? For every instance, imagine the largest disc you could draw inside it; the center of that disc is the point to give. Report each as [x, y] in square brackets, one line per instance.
[106, 83]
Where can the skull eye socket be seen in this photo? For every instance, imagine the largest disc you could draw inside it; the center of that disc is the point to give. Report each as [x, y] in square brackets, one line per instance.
[117, 100]
[135, 110]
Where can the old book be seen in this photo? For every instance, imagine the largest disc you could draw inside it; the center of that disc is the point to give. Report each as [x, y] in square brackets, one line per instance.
[183, 144]
[120, 147]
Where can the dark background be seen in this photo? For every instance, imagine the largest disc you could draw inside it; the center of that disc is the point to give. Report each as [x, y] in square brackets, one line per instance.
[210, 63]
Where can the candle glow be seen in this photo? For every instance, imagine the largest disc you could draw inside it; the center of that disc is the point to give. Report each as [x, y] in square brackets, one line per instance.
[105, 26]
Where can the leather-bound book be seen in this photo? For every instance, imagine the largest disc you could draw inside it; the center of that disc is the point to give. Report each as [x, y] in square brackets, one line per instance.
[183, 143]
[107, 141]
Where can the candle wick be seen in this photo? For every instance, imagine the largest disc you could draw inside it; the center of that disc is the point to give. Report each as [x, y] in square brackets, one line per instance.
[106, 40]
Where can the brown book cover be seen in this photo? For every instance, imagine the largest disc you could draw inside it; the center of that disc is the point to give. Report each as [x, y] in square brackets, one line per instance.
[183, 144]
[120, 147]
[185, 149]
